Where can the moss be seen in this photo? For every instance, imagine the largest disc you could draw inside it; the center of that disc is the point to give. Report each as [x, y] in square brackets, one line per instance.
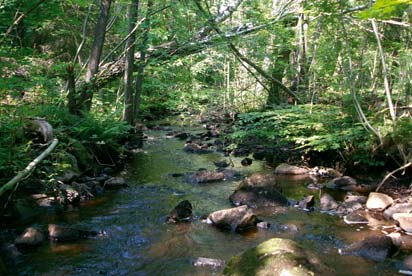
[83, 156]
[273, 257]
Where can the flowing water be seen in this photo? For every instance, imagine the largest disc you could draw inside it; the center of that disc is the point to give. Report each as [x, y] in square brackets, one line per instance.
[136, 241]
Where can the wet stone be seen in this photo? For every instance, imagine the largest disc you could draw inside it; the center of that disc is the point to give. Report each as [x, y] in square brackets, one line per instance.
[259, 190]
[397, 208]
[403, 242]
[375, 248]
[31, 237]
[307, 203]
[246, 161]
[62, 233]
[378, 201]
[290, 169]
[341, 183]
[181, 213]
[222, 163]
[355, 198]
[68, 195]
[115, 183]
[328, 203]
[263, 225]
[234, 219]
[405, 221]
[205, 176]
[196, 148]
[355, 218]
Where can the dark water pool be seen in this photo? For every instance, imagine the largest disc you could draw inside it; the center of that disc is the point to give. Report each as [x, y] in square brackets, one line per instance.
[136, 241]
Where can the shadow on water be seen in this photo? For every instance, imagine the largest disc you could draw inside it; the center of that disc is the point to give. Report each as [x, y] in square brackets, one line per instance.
[136, 241]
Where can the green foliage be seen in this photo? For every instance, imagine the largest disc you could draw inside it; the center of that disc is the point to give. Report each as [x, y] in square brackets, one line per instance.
[385, 9]
[311, 129]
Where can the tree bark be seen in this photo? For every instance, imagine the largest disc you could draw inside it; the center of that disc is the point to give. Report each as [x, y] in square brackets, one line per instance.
[71, 90]
[142, 61]
[128, 74]
[95, 54]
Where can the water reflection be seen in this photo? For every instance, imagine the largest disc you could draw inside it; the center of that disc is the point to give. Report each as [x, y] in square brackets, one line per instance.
[136, 241]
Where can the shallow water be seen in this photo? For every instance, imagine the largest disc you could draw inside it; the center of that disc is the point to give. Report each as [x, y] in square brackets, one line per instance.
[136, 241]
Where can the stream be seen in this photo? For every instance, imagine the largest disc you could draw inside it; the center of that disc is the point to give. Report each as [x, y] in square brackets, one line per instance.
[134, 239]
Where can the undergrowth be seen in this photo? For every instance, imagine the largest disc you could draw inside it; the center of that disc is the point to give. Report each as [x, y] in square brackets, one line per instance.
[319, 131]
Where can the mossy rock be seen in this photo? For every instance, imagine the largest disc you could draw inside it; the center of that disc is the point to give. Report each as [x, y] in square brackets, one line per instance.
[82, 154]
[276, 257]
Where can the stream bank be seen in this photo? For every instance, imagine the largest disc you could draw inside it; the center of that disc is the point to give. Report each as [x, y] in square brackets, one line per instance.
[132, 237]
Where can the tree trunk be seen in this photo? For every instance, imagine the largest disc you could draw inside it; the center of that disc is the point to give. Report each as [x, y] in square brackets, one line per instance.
[142, 62]
[95, 54]
[128, 74]
[71, 90]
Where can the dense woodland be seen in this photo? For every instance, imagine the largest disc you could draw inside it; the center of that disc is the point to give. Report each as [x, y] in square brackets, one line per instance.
[330, 81]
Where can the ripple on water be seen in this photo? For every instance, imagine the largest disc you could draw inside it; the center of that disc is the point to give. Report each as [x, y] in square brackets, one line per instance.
[136, 241]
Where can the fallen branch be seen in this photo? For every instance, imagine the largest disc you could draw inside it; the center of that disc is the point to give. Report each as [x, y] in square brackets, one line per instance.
[392, 173]
[12, 184]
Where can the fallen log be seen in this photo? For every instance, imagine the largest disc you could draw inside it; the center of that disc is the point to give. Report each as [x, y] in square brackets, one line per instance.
[13, 183]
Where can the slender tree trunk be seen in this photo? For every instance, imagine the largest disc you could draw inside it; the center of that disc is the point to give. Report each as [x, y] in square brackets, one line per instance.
[71, 90]
[142, 62]
[128, 74]
[95, 54]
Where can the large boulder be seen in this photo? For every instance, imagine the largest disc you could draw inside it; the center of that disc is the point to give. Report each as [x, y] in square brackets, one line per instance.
[234, 219]
[259, 190]
[31, 237]
[375, 248]
[181, 213]
[378, 201]
[276, 257]
[290, 169]
[205, 176]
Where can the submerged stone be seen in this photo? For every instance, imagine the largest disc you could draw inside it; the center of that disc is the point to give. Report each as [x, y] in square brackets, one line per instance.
[208, 262]
[62, 233]
[205, 176]
[115, 183]
[259, 190]
[374, 248]
[222, 163]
